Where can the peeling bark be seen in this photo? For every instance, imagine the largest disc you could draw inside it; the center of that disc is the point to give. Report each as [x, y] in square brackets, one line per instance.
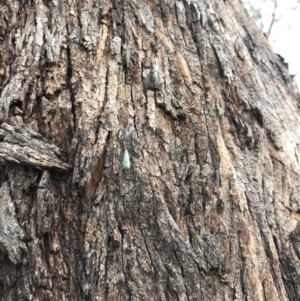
[209, 209]
[21, 145]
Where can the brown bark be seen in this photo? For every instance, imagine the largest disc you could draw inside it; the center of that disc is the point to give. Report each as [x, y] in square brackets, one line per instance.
[209, 209]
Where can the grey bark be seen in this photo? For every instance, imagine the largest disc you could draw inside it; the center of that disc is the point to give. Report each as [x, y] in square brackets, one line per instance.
[209, 209]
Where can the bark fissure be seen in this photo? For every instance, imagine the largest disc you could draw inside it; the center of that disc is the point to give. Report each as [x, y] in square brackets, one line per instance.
[70, 87]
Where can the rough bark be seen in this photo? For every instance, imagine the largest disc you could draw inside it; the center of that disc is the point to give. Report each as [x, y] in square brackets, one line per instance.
[209, 209]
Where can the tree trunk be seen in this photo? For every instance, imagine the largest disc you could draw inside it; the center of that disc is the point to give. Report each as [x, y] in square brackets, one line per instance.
[210, 207]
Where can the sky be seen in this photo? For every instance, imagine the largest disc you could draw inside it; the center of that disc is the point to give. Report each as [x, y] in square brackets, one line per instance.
[285, 33]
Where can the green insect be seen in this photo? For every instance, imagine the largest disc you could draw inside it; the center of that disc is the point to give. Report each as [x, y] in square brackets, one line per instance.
[126, 160]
